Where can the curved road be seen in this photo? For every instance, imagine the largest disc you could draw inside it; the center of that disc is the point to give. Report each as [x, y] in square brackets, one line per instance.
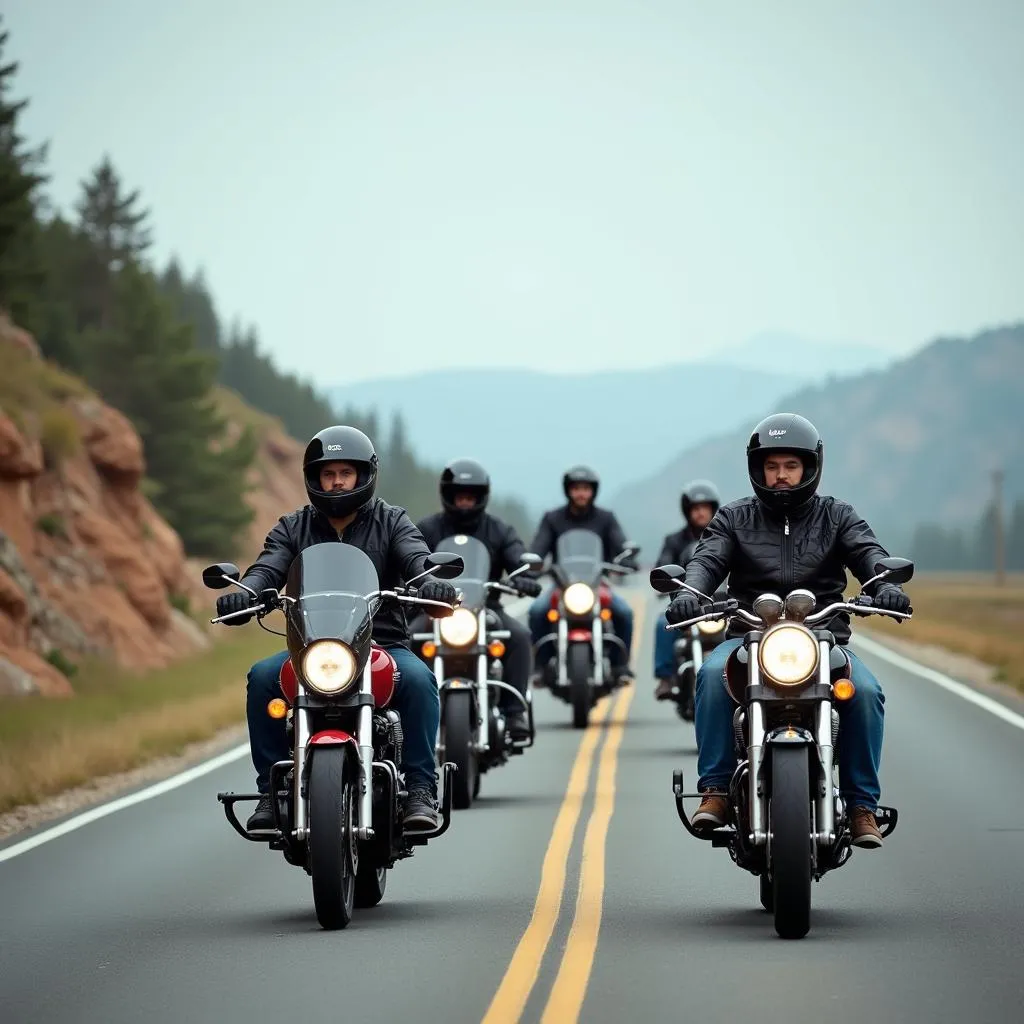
[159, 913]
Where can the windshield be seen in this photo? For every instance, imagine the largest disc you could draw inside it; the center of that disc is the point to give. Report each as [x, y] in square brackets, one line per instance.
[579, 555]
[477, 571]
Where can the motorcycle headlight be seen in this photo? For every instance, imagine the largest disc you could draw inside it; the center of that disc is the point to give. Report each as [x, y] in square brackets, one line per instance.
[578, 598]
[788, 655]
[329, 667]
[711, 625]
[459, 628]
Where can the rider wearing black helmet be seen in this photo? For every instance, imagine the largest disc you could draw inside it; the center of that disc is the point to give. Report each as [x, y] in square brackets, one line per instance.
[699, 502]
[340, 470]
[465, 490]
[788, 536]
[580, 486]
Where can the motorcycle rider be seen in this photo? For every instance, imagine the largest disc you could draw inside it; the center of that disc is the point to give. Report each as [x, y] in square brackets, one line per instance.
[787, 536]
[465, 489]
[340, 470]
[699, 503]
[580, 485]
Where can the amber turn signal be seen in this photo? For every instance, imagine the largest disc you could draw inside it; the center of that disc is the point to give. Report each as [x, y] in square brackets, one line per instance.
[277, 708]
[552, 615]
[429, 649]
[606, 614]
[496, 649]
[843, 689]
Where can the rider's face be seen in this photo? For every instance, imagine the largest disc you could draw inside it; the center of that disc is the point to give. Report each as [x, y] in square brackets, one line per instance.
[782, 471]
[581, 494]
[338, 476]
[701, 514]
[465, 500]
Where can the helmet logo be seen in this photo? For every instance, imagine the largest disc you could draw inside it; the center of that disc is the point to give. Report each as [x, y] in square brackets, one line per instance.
[465, 476]
[334, 447]
[776, 433]
[461, 538]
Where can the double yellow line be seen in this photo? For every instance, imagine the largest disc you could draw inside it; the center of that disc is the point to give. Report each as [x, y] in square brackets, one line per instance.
[566, 999]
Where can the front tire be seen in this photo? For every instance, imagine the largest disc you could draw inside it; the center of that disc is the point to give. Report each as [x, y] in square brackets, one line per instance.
[333, 860]
[790, 824]
[578, 669]
[371, 883]
[766, 893]
[459, 747]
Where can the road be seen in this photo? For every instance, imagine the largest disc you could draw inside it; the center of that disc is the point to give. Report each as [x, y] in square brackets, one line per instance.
[159, 913]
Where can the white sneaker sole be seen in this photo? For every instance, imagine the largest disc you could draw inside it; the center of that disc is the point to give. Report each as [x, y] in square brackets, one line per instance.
[867, 842]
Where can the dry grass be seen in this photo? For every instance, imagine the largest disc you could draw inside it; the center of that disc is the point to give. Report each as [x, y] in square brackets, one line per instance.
[966, 613]
[118, 721]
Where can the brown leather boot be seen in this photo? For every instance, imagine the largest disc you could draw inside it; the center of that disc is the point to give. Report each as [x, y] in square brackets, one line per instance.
[864, 829]
[713, 812]
[663, 690]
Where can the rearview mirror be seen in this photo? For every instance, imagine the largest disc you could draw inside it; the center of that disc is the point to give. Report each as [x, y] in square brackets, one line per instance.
[221, 575]
[444, 565]
[530, 559]
[894, 570]
[665, 579]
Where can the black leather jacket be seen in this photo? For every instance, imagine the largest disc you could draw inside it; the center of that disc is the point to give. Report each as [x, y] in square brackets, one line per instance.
[500, 539]
[675, 544]
[762, 553]
[598, 520]
[384, 532]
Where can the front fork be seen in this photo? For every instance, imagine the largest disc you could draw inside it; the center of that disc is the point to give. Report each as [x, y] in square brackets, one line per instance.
[483, 695]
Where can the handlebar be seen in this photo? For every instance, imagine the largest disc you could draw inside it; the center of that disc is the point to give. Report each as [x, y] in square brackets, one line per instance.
[856, 606]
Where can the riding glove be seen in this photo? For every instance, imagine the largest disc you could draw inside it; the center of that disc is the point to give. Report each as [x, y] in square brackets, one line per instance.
[683, 607]
[438, 590]
[892, 599]
[527, 586]
[234, 602]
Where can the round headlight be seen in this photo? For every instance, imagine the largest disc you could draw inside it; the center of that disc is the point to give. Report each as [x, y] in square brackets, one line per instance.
[788, 655]
[578, 598]
[711, 625]
[329, 667]
[459, 628]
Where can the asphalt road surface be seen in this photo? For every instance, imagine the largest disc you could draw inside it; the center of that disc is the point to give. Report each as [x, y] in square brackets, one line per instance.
[159, 913]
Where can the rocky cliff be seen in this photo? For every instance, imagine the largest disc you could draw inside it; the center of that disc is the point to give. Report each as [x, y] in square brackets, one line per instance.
[87, 566]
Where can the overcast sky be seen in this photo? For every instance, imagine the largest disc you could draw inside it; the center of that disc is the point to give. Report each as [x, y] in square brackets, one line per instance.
[383, 187]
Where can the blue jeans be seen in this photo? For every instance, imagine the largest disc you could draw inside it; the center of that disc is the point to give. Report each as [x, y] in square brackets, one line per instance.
[861, 726]
[664, 649]
[622, 621]
[415, 700]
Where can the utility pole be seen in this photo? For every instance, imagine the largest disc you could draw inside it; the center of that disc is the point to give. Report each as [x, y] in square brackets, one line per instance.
[997, 527]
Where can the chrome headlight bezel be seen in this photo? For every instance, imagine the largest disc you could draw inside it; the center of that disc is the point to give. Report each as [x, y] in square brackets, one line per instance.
[459, 629]
[711, 626]
[788, 655]
[329, 668]
[579, 598]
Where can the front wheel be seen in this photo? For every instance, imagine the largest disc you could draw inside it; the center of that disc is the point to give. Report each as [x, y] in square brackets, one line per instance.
[371, 882]
[789, 812]
[578, 670]
[460, 747]
[333, 860]
[766, 893]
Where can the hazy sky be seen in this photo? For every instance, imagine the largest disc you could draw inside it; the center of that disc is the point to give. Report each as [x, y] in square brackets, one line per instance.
[382, 187]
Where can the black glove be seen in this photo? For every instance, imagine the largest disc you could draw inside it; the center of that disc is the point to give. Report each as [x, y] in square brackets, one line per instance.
[892, 599]
[684, 606]
[437, 590]
[630, 563]
[527, 586]
[234, 602]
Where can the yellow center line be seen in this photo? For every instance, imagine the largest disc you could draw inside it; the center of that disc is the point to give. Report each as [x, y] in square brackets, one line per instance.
[510, 999]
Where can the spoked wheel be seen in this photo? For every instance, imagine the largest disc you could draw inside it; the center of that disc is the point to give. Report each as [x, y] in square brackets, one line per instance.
[578, 670]
[790, 822]
[370, 885]
[766, 893]
[459, 746]
[333, 859]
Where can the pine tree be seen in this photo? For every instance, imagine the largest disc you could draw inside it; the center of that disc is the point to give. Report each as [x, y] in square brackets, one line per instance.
[21, 270]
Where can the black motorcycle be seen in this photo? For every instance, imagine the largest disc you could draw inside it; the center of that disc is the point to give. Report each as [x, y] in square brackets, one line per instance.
[789, 824]
[466, 651]
[337, 801]
[581, 671]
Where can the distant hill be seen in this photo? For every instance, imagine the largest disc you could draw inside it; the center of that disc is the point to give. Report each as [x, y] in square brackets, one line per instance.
[769, 350]
[911, 443]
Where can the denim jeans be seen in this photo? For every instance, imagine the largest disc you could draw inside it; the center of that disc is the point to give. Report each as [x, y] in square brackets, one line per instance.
[415, 700]
[622, 621]
[664, 648]
[861, 727]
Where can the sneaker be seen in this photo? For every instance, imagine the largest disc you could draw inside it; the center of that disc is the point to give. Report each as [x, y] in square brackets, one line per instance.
[421, 811]
[864, 830]
[262, 819]
[713, 811]
[625, 677]
[518, 723]
[664, 689]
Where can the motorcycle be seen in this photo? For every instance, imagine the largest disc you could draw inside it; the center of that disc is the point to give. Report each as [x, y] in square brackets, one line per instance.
[337, 801]
[789, 824]
[466, 651]
[581, 672]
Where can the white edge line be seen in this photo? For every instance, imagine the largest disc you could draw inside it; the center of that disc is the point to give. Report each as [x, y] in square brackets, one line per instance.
[158, 789]
[960, 689]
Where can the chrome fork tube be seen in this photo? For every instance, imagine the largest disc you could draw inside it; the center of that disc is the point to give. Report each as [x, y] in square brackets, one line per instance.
[697, 653]
[563, 651]
[483, 732]
[597, 638]
[365, 829]
[438, 660]
[825, 802]
[755, 756]
[301, 742]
